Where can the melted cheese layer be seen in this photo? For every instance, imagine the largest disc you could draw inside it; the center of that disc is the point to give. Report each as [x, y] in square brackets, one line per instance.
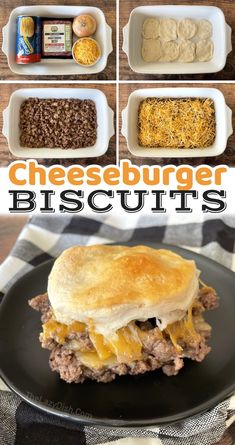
[123, 346]
[182, 330]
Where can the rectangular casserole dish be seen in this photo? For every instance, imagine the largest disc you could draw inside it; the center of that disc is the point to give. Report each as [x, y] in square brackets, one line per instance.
[105, 128]
[132, 39]
[223, 117]
[56, 67]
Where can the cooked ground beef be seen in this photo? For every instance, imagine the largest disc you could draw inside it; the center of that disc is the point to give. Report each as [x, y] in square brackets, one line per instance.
[157, 352]
[42, 304]
[58, 123]
[83, 339]
[173, 368]
[65, 362]
[208, 298]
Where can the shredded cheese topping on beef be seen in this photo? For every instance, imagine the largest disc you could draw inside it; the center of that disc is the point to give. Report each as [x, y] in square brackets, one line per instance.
[125, 345]
[176, 123]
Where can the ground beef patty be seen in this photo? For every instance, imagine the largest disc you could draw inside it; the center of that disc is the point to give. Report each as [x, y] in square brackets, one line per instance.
[157, 351]
[58, 123]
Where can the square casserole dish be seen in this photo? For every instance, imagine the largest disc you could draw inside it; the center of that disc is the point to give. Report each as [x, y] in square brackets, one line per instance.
[132, 39]
[223, 118]
[56, 66]
[105, 118]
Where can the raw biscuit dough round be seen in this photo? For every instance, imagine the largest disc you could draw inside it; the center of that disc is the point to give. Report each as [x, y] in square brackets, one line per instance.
[168, 30]
[204, 30]
[151, 50]
[170, 51]
[150, 29]
[204, 50]
[187, 52]
[186, 29]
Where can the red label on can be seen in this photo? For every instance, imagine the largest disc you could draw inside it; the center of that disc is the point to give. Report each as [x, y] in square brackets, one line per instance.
[31, 58]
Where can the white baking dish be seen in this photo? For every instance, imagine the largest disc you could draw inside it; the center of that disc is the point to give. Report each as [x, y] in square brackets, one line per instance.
[56, 66]
[104, 119]
[132, 39]
[223, 116]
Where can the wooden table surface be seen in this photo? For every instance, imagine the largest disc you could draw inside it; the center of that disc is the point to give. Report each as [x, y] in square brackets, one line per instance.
[107, 6]
[228, 157]
[228, 7]
[108, 158]
[10, 227]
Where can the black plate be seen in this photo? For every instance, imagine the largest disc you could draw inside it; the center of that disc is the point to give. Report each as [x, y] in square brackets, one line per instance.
[149, 399]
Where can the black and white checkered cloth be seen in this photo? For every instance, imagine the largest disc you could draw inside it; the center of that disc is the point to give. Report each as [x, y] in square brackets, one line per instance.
[44, 238]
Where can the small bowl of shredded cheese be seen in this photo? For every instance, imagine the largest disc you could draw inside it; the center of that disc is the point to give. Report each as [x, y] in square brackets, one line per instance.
[86, 51]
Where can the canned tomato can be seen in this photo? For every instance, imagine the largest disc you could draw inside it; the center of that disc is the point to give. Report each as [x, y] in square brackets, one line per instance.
[28, 39]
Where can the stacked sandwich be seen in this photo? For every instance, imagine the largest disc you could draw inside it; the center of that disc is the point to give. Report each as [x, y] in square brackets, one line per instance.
[115, 310]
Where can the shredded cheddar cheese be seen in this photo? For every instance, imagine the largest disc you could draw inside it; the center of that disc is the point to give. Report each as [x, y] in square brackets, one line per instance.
[86, 51]
[126, 344]
[60, 331]
[100, 345]
[182, 330]
[176, 123]
[92, 360]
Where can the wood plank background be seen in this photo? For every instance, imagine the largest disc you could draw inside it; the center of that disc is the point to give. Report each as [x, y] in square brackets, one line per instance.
[107, 6]
[10, 227]
[228, 73]
[228, 157]
[108, 158]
